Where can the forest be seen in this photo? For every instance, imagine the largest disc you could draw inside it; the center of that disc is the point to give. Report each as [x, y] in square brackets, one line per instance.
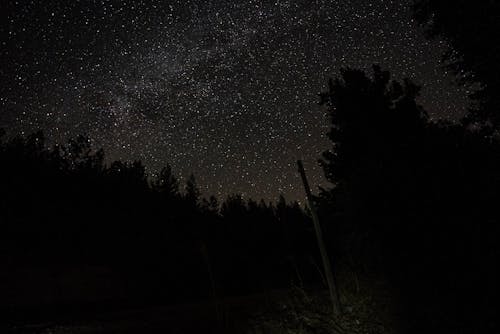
[412, 201]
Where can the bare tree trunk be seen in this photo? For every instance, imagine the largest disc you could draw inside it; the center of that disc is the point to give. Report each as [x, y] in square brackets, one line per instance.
[319, 236]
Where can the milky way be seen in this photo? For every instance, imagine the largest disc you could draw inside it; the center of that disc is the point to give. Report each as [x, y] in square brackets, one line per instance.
[224, 89]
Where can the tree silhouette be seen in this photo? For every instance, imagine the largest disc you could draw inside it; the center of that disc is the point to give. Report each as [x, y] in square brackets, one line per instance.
[376, 126]
[408, 195]
[66, 208]
[210, 206]
[473, 30]
[166, 183]
[192, 194]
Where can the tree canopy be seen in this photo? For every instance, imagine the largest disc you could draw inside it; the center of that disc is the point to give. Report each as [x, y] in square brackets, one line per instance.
[472, 29]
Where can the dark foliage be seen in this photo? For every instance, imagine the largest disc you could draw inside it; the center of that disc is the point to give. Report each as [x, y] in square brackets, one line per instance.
[415, 200]
[63, 211]
[473, 30]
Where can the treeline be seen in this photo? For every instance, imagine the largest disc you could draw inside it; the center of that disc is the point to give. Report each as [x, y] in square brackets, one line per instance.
[64, 207]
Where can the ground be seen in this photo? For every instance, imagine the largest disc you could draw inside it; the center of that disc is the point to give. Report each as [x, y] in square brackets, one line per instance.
[368, 308]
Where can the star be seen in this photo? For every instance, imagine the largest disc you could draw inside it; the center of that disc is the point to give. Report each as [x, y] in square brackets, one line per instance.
[226, 90]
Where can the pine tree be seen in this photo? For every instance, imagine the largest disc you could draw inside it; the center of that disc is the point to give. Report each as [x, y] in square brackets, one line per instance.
[166, 183]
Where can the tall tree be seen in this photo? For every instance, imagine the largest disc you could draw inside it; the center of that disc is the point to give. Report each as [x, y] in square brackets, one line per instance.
[369, 118]
[193, 193]
[377, 134]
[166, 183]
[406, 189]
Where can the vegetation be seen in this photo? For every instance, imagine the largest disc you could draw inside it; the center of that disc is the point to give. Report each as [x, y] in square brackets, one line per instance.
[64, 208]
[411, 217]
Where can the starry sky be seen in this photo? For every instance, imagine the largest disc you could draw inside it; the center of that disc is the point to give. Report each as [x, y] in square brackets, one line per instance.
[226, 89]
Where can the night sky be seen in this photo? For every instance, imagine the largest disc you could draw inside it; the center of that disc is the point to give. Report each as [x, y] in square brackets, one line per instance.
[224, 89]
